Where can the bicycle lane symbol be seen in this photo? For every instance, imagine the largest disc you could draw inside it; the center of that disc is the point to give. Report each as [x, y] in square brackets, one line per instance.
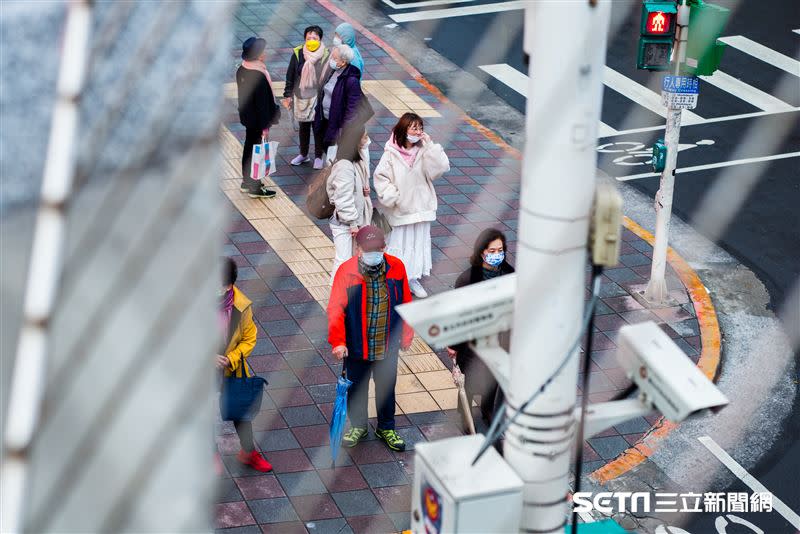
[635, 153]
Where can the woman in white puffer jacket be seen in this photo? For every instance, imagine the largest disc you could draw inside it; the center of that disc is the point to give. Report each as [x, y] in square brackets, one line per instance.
[403, 183]
[348, 190]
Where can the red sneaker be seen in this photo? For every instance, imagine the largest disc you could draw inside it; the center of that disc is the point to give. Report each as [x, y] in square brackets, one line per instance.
[254, 460]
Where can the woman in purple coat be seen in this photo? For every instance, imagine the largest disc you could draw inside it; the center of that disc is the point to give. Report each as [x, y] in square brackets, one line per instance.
[340, 96]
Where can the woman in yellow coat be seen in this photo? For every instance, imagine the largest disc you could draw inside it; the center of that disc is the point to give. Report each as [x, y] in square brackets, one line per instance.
[239, 329]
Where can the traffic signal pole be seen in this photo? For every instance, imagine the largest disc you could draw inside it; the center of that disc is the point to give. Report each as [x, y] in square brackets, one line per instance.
[657, 292]
[566, 42]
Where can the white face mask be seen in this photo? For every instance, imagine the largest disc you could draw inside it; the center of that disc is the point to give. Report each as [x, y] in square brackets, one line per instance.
[372, 258]
[333, 64]
[413, 139]
[336, 41]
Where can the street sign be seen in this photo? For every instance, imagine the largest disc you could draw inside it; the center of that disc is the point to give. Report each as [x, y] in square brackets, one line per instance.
[680, 92]
[679, 100]
[681, 84]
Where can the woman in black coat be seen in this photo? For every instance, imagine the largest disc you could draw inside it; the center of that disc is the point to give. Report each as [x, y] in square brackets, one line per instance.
[257, 109]
[487, 261]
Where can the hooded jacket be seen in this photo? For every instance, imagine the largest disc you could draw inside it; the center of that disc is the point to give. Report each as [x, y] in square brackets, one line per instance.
[345, 101]
[347, 309]
[348, 35]
[242, 333]
[345, 186]
[407, 192]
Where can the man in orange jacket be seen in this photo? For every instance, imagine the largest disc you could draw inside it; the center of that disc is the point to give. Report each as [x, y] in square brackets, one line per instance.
[366, 332]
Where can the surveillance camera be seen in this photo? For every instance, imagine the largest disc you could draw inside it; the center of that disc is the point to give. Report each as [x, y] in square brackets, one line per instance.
[463, 314]
[667, 378]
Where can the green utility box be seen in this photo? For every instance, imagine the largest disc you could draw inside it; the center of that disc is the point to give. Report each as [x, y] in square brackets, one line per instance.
[659, 160]
[703, 50]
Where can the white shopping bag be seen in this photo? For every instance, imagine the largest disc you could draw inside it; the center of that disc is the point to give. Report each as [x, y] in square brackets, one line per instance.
[259, 161]
[272, 153]
[330, 156]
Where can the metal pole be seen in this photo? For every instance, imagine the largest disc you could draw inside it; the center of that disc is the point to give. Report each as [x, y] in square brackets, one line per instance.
[657, 292]
[44, 270]
[566, 42]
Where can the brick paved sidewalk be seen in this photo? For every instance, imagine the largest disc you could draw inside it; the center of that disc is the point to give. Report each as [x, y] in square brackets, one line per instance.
[284, 258]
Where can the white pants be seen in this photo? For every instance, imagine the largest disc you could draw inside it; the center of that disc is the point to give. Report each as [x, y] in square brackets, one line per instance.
[343, 243]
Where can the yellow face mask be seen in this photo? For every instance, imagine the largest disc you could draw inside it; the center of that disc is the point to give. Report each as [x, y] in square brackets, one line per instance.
[312, 45]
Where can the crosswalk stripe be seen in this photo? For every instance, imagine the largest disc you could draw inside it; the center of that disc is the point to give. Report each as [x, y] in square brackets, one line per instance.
[746, 92]
[719, 165]
[510, 76]
[459, 11]
[767, 55]
[642, 95]
[518, 81]
[427, 3]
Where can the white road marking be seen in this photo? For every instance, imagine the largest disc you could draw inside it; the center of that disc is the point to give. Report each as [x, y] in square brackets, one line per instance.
[518, 81]
[707, 121]
[765, 54]
[749, 479]
[746, 92]
[427, 3]
[642, 95]
[796, 31]
[460, 11]
[510, 76]
[719, 165]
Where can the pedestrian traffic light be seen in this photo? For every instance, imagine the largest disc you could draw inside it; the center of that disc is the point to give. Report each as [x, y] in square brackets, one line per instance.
[703, 51]
[656, 33]
[659, 160]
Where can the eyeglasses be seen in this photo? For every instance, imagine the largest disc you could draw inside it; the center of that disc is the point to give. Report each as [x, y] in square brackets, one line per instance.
[416, 128]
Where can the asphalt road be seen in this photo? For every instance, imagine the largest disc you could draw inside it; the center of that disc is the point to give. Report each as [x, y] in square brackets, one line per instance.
[764, 232]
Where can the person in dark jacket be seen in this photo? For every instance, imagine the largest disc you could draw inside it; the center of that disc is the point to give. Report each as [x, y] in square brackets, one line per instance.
[366, 332]
[303, 80]
[257, 109]
[339, 97]
[488, 261]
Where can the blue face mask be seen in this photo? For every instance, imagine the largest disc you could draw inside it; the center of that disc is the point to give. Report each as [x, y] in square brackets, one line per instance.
[372, 258]
[494, 258]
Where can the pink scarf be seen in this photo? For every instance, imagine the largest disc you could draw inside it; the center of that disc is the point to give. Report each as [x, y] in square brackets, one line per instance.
[308, 76]
[409, 154]
[260, 67]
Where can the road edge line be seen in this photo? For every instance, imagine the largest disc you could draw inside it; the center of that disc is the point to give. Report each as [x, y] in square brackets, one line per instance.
[709, 362]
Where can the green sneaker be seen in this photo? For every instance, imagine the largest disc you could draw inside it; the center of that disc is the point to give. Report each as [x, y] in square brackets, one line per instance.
[392, 439]
[353, 436]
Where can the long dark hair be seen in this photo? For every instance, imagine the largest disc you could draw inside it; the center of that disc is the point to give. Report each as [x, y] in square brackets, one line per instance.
[400, 130]
[350, 143]
[484, 238]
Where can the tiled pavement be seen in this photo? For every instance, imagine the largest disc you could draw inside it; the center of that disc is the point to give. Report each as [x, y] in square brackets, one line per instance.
[284, 257]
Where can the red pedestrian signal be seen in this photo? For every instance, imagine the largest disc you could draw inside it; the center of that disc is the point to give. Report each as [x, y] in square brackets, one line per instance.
[658, 23]
[656, 33]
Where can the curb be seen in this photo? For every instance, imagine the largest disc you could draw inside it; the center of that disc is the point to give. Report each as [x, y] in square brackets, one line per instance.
[710, 335]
